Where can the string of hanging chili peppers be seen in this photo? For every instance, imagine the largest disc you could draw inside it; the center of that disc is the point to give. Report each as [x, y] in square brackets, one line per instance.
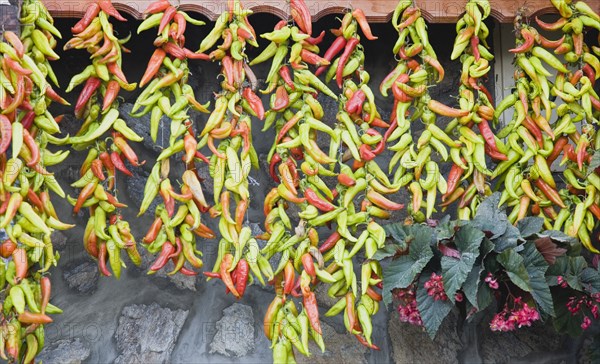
[533, 136]
[106, 232]
[297, 117]
[172, 234]
[475, 108]
[26, 211]
[230, 125]
[409, 82]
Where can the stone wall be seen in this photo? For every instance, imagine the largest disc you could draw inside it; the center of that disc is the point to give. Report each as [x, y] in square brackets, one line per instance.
[142, 319]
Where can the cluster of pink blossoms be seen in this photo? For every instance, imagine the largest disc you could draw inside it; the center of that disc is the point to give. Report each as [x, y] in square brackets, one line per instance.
[435, 288]
[575, 304]
[509, 319]
[407, 309]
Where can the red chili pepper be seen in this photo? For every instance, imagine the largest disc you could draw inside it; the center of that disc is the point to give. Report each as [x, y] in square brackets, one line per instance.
[7, 248]
[255, 102]
[488, 134]
[494, 154]
[282, 99]
[181, 25]
[361, 19]
[336, 47]
[550, 192]
[118, 163]
[33, 148]
[112, 91]
[316, 40]
[242, 269]
[350, 310]
[364, 342]
[346, 180]
[88, 90]
[102, 254]
[366, 154]
[274, 160]
[19, 256]
[157, 7]
[226, 276]
[316, 201]
[108, 8]
[354, 103]
[528, 41]
[475, 48]
[312, 310]
[288, 126]
[348, 49]
[46, 290]
[96, 167]
[312, 58]
[174, 50]
[91, 12]
[289, 276]
[301, 15]
[126, 149]
[286, 76]
[163, 257]
[212, 275]
[330, 242]
[590, 73]
[187, 272]
[85, 193]
[454, 176]
[34, 199]
[5, 133]
[34, 318]
[15, 42]
[308, 264]
[595, 102]
[153, 65]
[27, 121]
[558, 148]
[534, 129]
[595, 210]
[17, 99]
[167, 16]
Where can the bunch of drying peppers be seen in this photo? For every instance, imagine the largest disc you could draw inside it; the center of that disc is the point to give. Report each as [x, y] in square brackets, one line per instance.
[535, 141]
[172, 234]
[233, 156]
[336, 190]
[106, 232]
[409, 83]
[26, 212]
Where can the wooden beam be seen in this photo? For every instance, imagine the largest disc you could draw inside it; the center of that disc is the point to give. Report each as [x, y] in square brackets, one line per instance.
[377, 11]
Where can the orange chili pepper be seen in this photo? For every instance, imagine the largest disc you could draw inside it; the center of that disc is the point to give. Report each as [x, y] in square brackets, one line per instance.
[226, 276]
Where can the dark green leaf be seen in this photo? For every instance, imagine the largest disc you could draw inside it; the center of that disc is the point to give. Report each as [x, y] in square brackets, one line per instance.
[395, 231]
[565, 322]
[445, 229]
[389, 250]
[484, 296]
[513, 264]
[454, 271]
[471, 285]
[560, 266]
[401, 272]
[574, 272]
[490, 218]
[590, 280]
[530, 225]
[432, 312]
[507, 240]
[559, 236]
[536, 267]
